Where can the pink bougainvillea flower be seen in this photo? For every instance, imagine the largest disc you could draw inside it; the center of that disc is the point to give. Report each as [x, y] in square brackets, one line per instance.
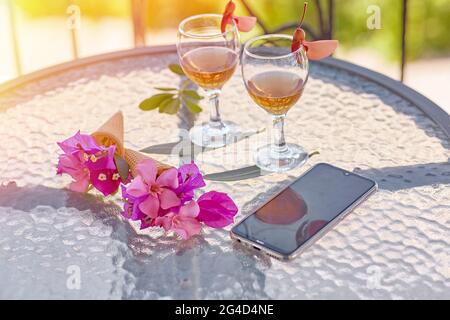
[189, 179]
[131, 206]
[106, 181]
[243, 24]
[131, 209]
[158, 191]
[217, 210]
[113, 179]
[185, 223]
[88, 163]
[78, 142]
[102, 159]
[84, 146]
[73, 166]
[166, 200]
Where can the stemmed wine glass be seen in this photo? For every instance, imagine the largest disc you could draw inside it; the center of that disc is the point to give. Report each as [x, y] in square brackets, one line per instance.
[275, 79]
[209, 58]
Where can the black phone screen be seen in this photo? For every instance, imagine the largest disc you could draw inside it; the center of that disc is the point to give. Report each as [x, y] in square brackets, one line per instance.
[304, 208]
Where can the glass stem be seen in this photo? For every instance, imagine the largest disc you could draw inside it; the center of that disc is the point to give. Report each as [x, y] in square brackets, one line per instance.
[278, 141]
[214, 116]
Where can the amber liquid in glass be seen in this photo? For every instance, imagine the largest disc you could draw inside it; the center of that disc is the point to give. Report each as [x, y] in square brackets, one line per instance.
[209, 67]
[275, 91]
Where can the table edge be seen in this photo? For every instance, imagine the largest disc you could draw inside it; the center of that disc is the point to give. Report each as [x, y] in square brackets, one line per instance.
[431, 109]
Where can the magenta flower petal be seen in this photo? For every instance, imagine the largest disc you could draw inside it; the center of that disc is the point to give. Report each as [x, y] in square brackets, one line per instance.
[165, 221]
[65, 164]
[81, 185]
[190, 173]
[136, 213]
[100, 159]
[74, 167]
[186, 227]
[147, 169]
[150, 206]
[217, 209]
[169, 199]
[137, 188]
[146, 223]
[86, 141]
[88, 163]
[106, 181]
[168, 178]
[191, 209]
[184, 224]
[131, 206]
[190, 179]
[153, 196]
[78, 142]
[71, 165]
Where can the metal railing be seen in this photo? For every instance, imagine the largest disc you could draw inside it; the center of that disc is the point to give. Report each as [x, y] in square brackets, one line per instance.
[325, 10]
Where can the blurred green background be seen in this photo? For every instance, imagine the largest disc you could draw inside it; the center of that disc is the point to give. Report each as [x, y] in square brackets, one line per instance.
[35, 34]
[428, 20]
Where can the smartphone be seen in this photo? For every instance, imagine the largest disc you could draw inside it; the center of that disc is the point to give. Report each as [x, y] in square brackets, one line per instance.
[299, 215]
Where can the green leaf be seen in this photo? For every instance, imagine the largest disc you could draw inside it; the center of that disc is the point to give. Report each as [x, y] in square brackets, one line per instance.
[122, 167]
[170, 107]
[192, 94]
[193, 107]
[164, 103]
[155, 101]
[165, 89]
[176, 68]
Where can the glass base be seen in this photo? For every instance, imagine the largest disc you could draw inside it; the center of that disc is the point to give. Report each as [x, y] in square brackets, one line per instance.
[206, 135]
[269, 160]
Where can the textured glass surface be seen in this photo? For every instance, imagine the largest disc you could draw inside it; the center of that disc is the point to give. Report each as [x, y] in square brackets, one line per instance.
[396, 245]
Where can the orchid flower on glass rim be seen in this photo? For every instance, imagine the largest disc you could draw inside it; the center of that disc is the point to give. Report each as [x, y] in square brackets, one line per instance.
[243, 23]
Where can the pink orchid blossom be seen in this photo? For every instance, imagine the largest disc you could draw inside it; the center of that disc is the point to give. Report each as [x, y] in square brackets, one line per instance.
[166, 201]
[244, 24]
[217, 210]
[157, 190]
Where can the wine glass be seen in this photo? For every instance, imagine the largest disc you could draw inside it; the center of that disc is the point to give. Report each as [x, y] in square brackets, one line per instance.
[209, 58]
[275, 79]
